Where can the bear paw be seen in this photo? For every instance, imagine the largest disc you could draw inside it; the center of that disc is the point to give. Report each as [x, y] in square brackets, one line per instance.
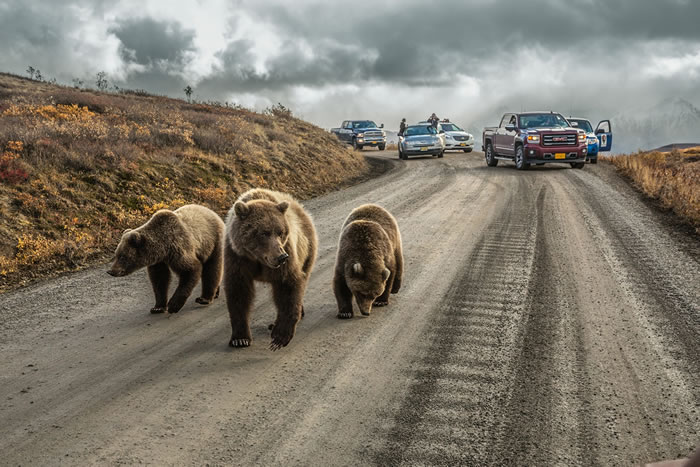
[345, 315]
[202, 301]
[380, 303]
[159, 309]
[239, 343]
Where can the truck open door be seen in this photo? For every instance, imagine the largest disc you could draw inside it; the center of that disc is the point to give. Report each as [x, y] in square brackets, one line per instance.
[604, 134]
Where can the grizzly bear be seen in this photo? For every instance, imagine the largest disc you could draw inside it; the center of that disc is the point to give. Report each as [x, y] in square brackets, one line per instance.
[269, 238]
[369, 264]
[189, 241]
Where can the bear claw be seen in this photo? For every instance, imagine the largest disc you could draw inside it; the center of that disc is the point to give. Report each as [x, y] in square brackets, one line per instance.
[239, 343]
[380, 303]
[202, 301]
[159, 309]
[344, 315]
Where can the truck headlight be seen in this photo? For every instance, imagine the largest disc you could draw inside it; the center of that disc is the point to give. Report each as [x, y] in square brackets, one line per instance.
[533, 138]
[360, 135]
[383, 133]
[581, 138]
[592, 140]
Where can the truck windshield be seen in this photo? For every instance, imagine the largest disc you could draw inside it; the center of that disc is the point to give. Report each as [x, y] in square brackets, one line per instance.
[419, 130]
[585, 125]
[364, 124]
[543, 121]
[450, 127]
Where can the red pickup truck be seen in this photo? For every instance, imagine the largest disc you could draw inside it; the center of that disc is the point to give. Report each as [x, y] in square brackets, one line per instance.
[534, 138]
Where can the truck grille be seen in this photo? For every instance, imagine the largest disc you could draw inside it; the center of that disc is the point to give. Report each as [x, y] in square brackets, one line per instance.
[559, 140]
[460, 138]
[373, 134]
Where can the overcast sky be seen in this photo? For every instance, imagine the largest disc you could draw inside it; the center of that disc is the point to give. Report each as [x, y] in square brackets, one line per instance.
[329, 60]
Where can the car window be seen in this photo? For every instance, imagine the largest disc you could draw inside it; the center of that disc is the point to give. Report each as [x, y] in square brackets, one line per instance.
[420, 130]
[364, 124]
[450, 127]
[585, 125]
[544, 120]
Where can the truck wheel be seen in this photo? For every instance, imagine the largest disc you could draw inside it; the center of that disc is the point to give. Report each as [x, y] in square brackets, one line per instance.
[520, 163]
[594, 160]
[441, 153]
[491, 160]
[381, 147]
[355, 146]
[578, 165]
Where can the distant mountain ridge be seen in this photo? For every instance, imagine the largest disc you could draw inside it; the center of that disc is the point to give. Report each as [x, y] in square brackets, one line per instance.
[651, 127]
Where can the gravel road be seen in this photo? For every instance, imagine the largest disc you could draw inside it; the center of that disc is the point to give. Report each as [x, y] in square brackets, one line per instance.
[547, 317]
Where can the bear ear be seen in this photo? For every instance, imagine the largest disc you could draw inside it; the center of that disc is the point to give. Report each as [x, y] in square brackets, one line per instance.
[135, 239]
[283, 206]
[357, 269]
[241, 209]
[385, 274]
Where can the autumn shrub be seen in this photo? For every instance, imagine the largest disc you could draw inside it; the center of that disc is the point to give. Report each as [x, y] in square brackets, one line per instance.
[671, 178]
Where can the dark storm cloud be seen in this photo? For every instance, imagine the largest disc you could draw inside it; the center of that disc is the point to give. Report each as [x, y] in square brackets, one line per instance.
[146, 41]
[419, 41]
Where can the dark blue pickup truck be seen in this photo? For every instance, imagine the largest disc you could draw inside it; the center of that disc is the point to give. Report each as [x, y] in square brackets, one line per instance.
[361, 133]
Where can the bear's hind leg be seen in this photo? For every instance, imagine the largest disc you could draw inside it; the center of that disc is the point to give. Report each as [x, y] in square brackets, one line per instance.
[211, 278]
[188, 281]
[159, 274]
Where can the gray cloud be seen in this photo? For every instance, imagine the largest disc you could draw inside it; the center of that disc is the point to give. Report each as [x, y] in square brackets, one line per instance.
[147, 41]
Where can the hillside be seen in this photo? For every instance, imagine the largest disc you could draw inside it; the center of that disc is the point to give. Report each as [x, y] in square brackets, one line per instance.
[671, 178]
[77, 167]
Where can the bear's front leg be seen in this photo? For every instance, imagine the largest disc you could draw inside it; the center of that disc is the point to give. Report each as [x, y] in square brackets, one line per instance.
[188, 281]
[159, 274]
[288, 298]
[343, 296]
[240, 292]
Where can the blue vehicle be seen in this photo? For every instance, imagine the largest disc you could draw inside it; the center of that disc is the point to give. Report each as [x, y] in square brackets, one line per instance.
[361, 133]
[598, 141]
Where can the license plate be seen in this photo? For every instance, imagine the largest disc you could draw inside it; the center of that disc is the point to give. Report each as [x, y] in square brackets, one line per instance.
[373, 142]
[560, 155]
[463, 144]
[423, 149]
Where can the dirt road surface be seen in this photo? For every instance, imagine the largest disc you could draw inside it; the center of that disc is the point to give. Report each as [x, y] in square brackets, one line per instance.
[547, 317]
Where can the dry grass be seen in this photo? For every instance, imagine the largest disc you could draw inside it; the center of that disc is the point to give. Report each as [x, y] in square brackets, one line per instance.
[77, 167]
[672, 178]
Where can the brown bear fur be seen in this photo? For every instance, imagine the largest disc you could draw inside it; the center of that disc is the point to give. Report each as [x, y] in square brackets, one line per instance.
[262, 228]
[369, 265]
[189, 241]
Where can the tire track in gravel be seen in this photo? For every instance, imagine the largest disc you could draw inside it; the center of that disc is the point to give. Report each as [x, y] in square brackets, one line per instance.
[451, 413]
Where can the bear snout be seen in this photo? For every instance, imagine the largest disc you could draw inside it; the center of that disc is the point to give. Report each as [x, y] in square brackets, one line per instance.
[281, 259]
[113, 273]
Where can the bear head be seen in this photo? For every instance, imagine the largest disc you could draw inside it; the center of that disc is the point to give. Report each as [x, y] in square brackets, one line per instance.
[366, 280]
[262, 231]
[132, 254]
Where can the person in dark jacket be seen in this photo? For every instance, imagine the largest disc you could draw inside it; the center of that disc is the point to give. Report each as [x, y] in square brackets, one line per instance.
[434, 120]
[402, 126]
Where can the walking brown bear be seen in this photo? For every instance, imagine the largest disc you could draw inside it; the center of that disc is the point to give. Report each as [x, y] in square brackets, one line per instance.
[369, 265]
[189, 241]
[269, 238]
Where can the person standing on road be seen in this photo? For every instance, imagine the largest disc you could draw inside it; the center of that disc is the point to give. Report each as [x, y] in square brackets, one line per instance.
[402, 126]
[434, 120]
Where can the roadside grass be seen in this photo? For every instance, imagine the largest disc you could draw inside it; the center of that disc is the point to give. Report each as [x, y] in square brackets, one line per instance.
[78, 166]
[672, 178]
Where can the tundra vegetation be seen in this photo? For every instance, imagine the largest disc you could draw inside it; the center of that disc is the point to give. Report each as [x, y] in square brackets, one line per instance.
[672, 178]
[78, 166]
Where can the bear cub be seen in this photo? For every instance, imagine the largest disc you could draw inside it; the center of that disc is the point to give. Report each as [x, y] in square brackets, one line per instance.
[189, 241]
[369, 265]
[269, 238]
